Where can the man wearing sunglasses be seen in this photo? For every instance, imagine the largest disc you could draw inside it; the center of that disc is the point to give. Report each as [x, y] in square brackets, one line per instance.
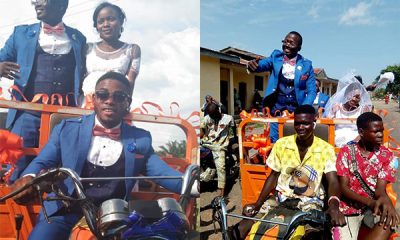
[44, 58]
[291, 82]
[96, 145]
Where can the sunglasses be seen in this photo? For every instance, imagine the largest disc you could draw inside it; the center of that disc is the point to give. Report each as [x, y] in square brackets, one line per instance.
[118, 96]
[38, 2]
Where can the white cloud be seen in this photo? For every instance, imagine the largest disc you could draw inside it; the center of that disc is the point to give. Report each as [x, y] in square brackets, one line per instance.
[314, 11]
[358, 15]
[170, 72]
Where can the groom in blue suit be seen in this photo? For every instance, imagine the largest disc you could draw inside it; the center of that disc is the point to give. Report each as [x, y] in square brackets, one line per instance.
[42, 58]
[291, 82]
[96, 145]
[321, 99]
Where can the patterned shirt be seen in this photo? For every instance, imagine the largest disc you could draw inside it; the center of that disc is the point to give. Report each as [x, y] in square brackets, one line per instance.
[378, 165]
[302, 179]
[218, 136]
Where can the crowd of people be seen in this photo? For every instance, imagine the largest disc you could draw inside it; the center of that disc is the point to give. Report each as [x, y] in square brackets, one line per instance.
[355, 199]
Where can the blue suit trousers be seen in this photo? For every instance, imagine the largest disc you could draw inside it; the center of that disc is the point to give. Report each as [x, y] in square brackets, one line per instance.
[59, 228]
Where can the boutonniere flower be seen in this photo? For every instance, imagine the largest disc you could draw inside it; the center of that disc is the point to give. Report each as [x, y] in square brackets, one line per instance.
[299, 68]
[131, 147]
[31, 34]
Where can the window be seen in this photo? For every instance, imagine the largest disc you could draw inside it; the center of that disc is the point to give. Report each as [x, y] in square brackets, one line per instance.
[259, 83]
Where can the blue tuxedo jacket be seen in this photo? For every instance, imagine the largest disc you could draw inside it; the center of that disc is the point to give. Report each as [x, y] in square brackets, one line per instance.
[304, 80]
[322, 100]
[21, 48]
[69, 145]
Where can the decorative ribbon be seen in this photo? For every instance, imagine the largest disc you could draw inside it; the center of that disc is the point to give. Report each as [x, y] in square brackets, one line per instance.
[146, 107]
[266, 113]
[44, 98]
[10, 150]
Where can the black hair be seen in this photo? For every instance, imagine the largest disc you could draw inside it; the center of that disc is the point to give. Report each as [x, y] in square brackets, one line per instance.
[62, 3]
[359, 78]
[308, 109]
[298, 35]
[116, 76]
[212, 106]
[366, 118]
[120, 12]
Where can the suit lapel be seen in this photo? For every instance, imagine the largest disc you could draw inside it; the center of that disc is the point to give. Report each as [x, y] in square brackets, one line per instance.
[85, 138]
[32, 37]
[76, 47]
[129, 148]
[297, 70]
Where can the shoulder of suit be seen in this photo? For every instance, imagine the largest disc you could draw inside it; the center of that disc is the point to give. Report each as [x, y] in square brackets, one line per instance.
[24, 27]
[75, 119]
[277, 53]
[76, 31]
[304, 59]
[137, 130]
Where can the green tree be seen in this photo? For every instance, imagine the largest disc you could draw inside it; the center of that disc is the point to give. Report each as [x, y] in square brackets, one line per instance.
[379, 93]
[173, 148]
[393, 87]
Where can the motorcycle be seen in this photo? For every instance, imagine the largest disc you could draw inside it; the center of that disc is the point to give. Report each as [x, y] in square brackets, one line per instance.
[115, 218]
[281, 229]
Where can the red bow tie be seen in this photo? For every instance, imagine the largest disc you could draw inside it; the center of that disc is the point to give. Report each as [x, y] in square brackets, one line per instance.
[58, 29]
[290, 61]
[114, 133]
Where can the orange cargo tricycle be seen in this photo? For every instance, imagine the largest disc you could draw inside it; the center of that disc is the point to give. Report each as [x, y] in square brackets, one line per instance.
[254, 147]
[17, 221]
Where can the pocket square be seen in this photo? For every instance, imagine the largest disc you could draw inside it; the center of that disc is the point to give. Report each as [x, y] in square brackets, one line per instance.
[304, 77]
[139, 156]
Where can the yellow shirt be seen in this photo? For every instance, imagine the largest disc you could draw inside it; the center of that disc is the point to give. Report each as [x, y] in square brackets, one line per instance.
[301, 179]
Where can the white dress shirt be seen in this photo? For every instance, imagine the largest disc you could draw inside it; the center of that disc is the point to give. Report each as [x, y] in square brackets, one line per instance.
[104, 151]
[288, 70]
[53, 43]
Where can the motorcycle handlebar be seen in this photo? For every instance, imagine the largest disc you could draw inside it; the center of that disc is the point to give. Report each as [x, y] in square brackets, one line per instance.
[313, 217]
[58, 174]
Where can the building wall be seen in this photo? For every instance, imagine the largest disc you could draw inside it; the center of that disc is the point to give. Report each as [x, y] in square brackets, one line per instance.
[209, 78]
[212, 72]
[242, 76]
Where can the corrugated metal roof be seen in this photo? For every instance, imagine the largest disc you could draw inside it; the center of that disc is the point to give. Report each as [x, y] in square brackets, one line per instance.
[219, 55]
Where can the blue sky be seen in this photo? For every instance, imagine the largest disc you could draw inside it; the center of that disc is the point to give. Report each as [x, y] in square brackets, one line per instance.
[338, 35]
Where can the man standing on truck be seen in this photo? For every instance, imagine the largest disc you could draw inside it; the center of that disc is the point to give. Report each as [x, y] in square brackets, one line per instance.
[298, 163]
[291, 82]
[216, 129]
[44, 58]
[96, 145]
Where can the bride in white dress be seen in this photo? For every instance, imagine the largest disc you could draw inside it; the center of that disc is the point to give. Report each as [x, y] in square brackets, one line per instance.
[110, 54]
[351, 100]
